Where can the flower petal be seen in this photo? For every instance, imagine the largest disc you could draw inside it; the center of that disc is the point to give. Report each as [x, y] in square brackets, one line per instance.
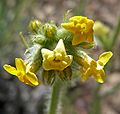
[69, 26]
[78, 19]
[20, 65]
[99, 76]
[85, 75]
[31, 77]
[10, 69]
[68, 59]
[46, 53]
[90, 37]
[60, 48]
[104, 58]
[77, 39]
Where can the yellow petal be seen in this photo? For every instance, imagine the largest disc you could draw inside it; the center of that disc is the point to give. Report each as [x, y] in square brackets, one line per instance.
[99, 76]
[93, 64]
[104, 58]
[77, 39]
[20, 65]
[23, 78]
[69, 26]
[60, 48]
[46, 53]
[68, 60]
[10, 69]
[79, 19]
[46, 65]
[31, 77]
[85, 75]
[90, 37]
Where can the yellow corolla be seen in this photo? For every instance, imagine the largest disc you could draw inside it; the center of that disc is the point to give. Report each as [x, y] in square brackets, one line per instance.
[22, 72]
[56, 59]
[94, 68]
[82, 28]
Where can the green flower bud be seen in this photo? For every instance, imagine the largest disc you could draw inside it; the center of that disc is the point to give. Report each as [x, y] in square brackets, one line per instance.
[39, 39]
[49, 30]
[34, 25]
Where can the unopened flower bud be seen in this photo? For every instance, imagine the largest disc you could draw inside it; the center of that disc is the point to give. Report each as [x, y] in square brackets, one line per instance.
[39, 39]
[49, 30]
[34, 25]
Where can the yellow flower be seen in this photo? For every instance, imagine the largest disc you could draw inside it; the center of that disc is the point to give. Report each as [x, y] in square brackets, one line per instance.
[82, 28]
[56, 59]
[94, 68]
[22, 72]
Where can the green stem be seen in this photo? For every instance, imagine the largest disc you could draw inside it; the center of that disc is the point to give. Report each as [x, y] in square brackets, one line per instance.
[115, 35]
[55, 98]
[95, 104]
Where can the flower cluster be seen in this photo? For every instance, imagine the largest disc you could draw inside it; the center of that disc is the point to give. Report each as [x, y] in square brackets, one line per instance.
[55, 51]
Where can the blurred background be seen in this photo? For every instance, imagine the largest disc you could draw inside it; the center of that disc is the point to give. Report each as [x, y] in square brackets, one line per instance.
[17, 98]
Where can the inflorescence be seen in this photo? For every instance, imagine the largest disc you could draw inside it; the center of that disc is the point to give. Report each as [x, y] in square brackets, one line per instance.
[56, 50]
